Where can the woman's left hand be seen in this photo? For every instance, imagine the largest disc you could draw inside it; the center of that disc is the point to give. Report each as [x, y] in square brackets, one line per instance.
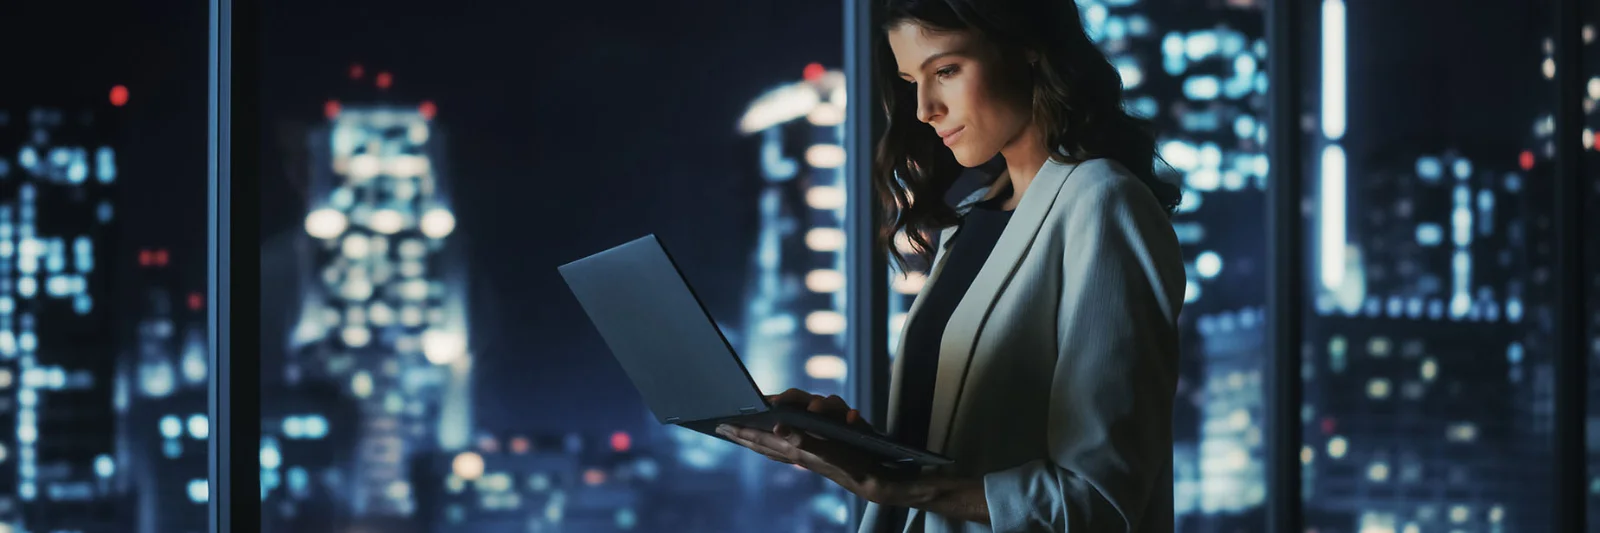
[855, 470]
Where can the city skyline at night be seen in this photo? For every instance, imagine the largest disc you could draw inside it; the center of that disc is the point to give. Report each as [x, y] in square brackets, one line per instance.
[424, 172]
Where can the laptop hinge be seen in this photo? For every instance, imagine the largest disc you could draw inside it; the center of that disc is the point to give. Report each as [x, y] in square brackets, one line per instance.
[673, 419]
[747, 410]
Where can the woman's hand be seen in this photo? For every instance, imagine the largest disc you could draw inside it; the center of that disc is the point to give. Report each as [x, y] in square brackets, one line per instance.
[857, 471]
[832, 407]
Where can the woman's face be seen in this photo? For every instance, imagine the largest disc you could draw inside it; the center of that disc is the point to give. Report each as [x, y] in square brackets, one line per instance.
[975, 103]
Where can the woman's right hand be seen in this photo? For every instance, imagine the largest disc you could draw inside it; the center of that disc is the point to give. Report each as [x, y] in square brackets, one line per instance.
[832, 407]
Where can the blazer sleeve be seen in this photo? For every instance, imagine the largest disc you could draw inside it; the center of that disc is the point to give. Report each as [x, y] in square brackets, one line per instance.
[1110, 416]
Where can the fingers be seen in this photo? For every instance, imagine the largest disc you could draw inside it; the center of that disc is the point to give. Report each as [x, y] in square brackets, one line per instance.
[793, 397]
[832, 406]
[787, 449]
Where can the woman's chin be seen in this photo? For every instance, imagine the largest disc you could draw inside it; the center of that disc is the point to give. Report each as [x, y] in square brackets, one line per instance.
[970, 158]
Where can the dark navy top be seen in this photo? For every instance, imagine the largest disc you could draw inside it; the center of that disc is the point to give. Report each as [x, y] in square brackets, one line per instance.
[969, 250]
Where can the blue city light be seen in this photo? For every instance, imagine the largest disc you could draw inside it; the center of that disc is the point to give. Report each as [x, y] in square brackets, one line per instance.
[1463, 169]
[106, 164]
[199, 491]
[1429, 234]
[1244, 126]
[1200, 45]
[270, 458]
[78, 169]
[28, 158]
[171, 427]
[299, 482]
[315, 426]
[1202, 87]
[104, 466]
[199, 427]
[83, 254]
[1429, 168]
[626, 519]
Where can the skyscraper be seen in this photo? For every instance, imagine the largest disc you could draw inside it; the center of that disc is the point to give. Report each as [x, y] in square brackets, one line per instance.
[387, 321]
[794, 319]
[1428, 359]
[56, 363]
[160, 395]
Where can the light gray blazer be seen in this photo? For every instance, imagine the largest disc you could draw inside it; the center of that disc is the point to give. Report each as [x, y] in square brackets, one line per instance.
[1058, 369]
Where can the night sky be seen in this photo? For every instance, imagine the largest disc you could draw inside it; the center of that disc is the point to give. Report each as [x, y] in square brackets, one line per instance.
[572, 127]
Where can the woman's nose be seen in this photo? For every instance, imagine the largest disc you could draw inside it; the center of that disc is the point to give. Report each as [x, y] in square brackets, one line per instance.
[927, 107]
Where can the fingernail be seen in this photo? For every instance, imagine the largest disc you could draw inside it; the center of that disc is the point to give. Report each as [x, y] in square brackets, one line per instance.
[722, 429]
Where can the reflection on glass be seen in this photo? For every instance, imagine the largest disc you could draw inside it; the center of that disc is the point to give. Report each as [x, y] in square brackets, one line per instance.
[1427, 353]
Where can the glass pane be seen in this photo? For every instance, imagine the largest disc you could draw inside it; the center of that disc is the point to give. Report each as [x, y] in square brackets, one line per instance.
[1198, 69]
[425, 368]
[1428, 354]
[1591, 210]
[103, 352]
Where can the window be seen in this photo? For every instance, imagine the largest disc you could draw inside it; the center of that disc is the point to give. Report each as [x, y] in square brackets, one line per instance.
[1430, 267]
[103, 341]
[1198, 71]
[427, 169]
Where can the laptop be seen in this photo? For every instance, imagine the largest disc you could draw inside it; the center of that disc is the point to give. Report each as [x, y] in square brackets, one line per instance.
[683, 366]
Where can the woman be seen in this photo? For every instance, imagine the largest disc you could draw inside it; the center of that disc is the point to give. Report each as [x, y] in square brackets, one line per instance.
[1042, 354]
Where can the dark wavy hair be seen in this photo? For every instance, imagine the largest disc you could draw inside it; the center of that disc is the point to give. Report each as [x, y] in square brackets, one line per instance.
[1077, 105]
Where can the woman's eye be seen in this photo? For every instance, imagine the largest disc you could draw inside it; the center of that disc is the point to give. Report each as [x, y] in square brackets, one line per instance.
[947, 71]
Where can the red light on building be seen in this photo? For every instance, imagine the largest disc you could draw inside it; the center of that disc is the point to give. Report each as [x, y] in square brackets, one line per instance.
[814, 72]
[356, 71]
[1328, 425]
[119, 96]
[428, 110]
[620, 441]
[160, 257]
[385, 80]
[1526, 159]
[331, 109]
[519, 445]
[195, 301]
[146, 258]
[594, 476]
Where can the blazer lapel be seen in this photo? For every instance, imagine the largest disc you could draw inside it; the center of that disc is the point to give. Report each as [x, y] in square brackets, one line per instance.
[961, 334]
